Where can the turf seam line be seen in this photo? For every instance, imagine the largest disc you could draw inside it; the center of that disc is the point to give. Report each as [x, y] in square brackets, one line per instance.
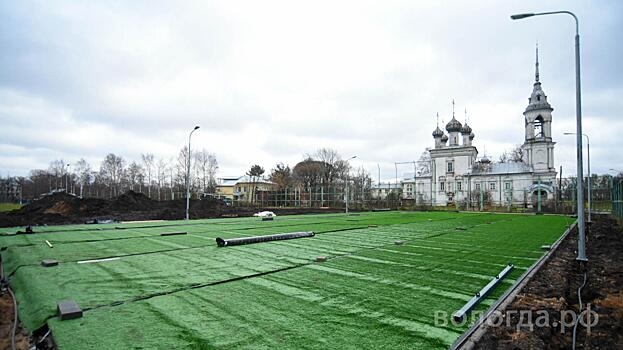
[195, 286]
[153, 252]
[147, 236]
[116, 228]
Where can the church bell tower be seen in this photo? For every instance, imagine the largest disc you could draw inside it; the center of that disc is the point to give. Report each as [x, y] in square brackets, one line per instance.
[538, 147]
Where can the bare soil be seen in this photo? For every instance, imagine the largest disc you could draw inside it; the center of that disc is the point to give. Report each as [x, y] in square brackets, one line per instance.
[554, 289]
[62, 208]
[22, 341]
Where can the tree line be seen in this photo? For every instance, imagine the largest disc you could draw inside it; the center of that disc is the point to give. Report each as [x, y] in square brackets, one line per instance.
[158, 178]
[320, 178]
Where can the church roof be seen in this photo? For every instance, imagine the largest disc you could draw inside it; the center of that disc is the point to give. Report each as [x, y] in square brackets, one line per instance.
[453, 125]
[466, 129]
[437, 133]
[501, 168]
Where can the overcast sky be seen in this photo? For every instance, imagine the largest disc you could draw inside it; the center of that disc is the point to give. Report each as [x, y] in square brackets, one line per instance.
[269, 81]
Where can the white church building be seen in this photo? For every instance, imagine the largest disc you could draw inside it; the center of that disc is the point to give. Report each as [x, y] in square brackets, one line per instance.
[456, 175]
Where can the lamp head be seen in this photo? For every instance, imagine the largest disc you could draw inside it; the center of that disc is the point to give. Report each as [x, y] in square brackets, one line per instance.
[196, 127]
[521, 16]
[569, 133]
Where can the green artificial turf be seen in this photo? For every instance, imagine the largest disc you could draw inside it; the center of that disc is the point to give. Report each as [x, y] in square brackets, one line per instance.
[184, 292]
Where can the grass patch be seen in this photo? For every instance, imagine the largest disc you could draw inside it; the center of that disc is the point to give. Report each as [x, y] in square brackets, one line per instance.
[9, 206]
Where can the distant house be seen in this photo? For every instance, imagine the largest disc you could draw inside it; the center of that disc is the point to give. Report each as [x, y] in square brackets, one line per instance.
[242, 188]
[382, 190]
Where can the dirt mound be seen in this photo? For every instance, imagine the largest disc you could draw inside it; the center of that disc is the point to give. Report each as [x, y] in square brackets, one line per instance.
[62, 208]
[132, 201]
[46, 203]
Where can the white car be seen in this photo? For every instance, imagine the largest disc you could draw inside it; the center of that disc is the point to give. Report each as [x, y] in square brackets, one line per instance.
[265, 214]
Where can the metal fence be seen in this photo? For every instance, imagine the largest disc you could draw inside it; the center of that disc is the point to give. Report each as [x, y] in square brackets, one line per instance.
[485, 196]
[617, 198]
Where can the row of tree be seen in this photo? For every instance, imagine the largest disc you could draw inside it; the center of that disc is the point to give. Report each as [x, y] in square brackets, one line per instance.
[321, 177]
[158, 178]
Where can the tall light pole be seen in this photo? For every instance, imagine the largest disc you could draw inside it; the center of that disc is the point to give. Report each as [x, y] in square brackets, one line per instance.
[353, 157]
[578, 117]
[188, 174]
[588, 154]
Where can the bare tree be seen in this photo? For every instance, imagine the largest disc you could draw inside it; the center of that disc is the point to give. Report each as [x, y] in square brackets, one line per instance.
[205, 170]
[171, 170]
[309, 174]
[161, 175]
[148, 165]
[83, 171]
[504, 157]
[182, 177]
[332, 164]
[111, 171]
[57, 170]
[514, 155]
[424, 163]
[134, 174]
[362, 182]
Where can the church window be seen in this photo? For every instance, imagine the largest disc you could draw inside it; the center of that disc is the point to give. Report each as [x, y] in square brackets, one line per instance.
[477, 187]
[450, 167]
[538, 97]
[492, 186]
[459, 186]
[538, 127]
[442, 186]
[507, 185]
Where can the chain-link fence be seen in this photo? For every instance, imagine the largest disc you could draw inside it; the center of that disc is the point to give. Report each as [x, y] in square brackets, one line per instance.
[617, 198]
[551, 197]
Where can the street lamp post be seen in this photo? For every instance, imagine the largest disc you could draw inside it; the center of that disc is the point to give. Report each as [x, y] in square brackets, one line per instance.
[578, 115]
[188, 174]
[590, 186]
[347, 180]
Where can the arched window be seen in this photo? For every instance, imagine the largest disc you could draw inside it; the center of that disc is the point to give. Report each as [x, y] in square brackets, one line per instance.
[538, 127]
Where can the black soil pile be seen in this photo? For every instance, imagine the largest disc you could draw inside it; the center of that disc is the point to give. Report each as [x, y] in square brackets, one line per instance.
[62, 208]
[553, 289]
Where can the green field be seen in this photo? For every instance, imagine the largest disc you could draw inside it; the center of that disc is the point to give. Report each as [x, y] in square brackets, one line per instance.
[9, 206]
[174, 292]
